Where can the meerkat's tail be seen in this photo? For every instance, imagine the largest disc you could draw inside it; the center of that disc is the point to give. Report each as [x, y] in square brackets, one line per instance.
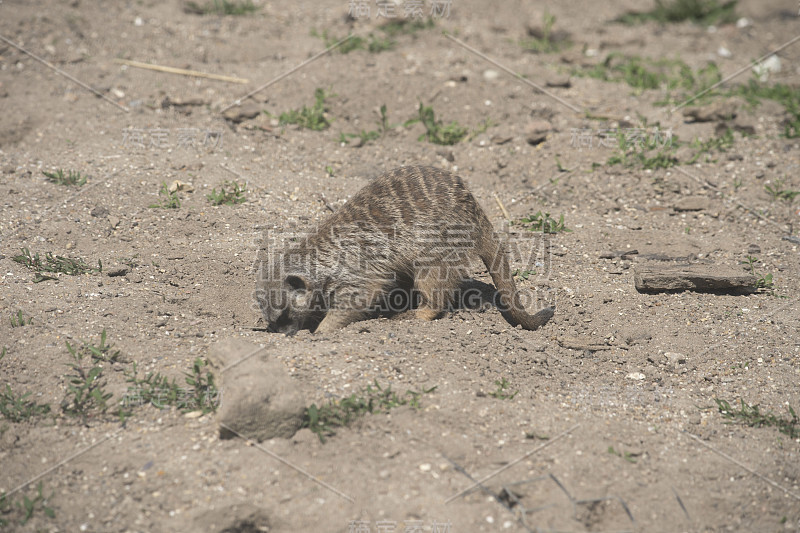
[494, 257]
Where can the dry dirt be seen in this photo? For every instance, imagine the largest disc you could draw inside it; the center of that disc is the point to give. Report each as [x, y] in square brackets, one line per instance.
[644, 438]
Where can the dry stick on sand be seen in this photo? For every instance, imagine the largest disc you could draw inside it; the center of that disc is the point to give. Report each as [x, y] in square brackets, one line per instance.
[181, 71]
[502, 207]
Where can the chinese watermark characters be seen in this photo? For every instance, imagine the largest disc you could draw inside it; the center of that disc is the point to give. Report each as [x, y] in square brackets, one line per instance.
[161, 139]
[162, 397]
[612, 137]
[408, 9]
[391, 526]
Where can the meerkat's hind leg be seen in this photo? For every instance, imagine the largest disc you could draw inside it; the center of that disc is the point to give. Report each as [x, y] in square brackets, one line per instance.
[436, 293]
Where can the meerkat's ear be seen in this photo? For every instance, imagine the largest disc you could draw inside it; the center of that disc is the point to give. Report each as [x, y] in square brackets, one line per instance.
[297, 283]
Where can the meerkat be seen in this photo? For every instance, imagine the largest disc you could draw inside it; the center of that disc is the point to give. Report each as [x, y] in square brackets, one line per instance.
[413, 228]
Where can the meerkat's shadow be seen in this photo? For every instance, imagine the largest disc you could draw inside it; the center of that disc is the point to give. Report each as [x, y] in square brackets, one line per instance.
[471, 294]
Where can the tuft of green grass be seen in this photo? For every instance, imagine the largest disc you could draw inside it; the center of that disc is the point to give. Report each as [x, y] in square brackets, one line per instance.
[625, 455]
[763, 281]
[18, 408]
[751, 416]
[313, 117]
[523, 274]
[340, 413]
[705, 12]
[236, 194]
[19, 320]
[436, 131]
[778, 191]
[649, 74]
[720, 144]
[166, 198]
[132, 261]
[376, 43]
[54, 264]
[545, 43]
[405, 26]
[541, 221]
[100, 353]
[161, 392]
[86, 392]
[500, 393]
[72, 178]
[221, 7]
[788, 96]
[372, 43]
[367, 136]
[644, 151]
[27, 507]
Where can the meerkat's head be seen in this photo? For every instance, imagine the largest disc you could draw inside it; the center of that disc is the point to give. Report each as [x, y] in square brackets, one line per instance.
[289, 301]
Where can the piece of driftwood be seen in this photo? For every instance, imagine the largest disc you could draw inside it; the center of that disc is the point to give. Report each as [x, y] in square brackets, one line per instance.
[701, 278]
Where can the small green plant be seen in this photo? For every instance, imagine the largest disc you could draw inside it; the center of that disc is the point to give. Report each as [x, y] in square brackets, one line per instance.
[230, 193]
[763, 281]
[544, 41]
[340, 413]
[786, 95]
[705, 12]
[27, 506]
[406, 26]
[161, 392]
[376, 43]
[523, 274]
[543, 222]
[367, 136]
[644, 151]
[5, 508]
[222, 7]
[204, 393]
[649, 74]
[18, 408]
[132, 261]
[721, 143]
[778, 191]
[435, 130]
[312, 118]
[500, 393]
[561, 167]
[71, 178]
[39, 502]
[19, 320]
[102, 353]
[329, 170]
[625, 455]
[55, 264]
[371, 43]
[166, 199]
[752, 416]
[85, 388]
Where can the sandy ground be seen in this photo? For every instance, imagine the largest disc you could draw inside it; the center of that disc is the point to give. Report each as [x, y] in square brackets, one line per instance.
[614, 412]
